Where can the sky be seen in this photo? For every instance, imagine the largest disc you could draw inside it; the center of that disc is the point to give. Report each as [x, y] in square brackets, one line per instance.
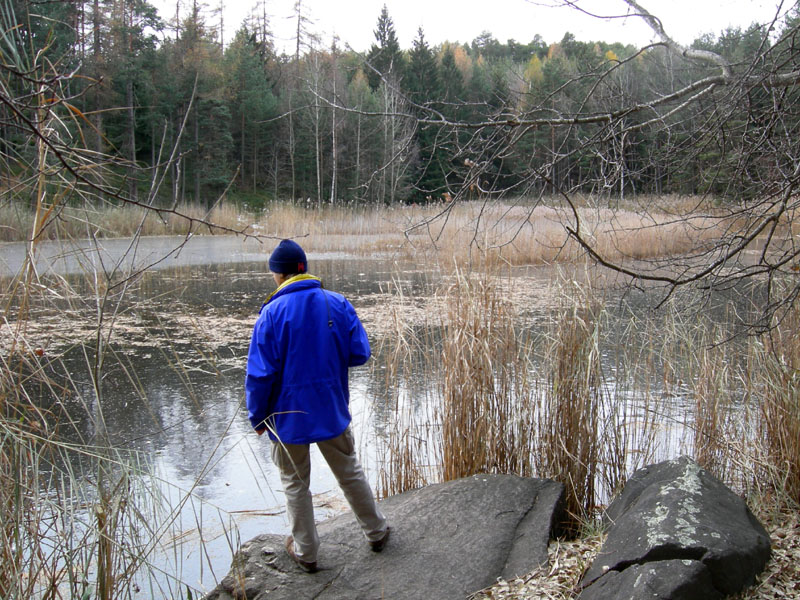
[354, 21]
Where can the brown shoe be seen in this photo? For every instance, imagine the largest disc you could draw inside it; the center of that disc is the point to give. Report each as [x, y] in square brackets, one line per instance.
[379, 545]
[308, 567]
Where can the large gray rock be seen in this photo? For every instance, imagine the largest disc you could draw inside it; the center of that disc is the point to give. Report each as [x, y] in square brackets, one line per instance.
[448, 540]
[677, 511]
[662, 580]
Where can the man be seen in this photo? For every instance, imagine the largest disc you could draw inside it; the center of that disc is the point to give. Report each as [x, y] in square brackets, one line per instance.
[303, 342]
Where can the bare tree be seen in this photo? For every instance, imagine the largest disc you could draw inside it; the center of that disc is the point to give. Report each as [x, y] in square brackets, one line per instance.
[730, 122]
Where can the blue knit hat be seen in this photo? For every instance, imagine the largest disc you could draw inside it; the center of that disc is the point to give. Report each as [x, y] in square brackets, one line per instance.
[288, 258]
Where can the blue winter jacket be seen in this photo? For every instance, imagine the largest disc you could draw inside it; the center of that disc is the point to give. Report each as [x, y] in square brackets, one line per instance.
[303, 342]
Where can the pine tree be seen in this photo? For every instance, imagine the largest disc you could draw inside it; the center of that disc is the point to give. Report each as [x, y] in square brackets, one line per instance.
[452, 79]
[424, 87]
[251, 102]
[422, 81]
[385, 59]
[196, 64]
[130, 52]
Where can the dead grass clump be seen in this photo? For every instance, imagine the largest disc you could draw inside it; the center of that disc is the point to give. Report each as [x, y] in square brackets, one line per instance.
[714, 423]
[569, 442]
[407, 446]
[746, 418]
[506, 398]
[776, 381]
[486, 413]
[476, 415]
[405, 462]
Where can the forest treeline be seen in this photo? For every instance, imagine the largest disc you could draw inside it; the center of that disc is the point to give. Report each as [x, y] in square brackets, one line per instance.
[328, 124]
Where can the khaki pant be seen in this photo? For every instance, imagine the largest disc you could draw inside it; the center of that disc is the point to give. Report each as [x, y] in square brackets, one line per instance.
[295, 467]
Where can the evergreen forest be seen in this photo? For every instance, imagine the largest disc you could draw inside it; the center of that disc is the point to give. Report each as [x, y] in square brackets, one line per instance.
[211, 118]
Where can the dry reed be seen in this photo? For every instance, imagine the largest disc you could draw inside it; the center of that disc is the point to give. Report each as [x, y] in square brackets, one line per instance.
[538, 403]
[746, 418]
[775, 378]
[64, 533]
[407, 446]
[505, 233]
[569, 418]
[509, 399]
[471, 420]
[61, 535]
[485, 409]
[713, 410]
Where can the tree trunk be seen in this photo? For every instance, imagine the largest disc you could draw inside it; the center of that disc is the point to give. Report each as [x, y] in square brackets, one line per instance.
[97, 117]
[196, 154]
[275, 176]
[292, 141]
[334, 153]
[358, 147]
[255, 160]
[317, 149]
[133, 191]
[292, 146]
[242, 160]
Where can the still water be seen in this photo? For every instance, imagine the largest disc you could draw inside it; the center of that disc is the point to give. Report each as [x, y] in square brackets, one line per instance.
[173, 372]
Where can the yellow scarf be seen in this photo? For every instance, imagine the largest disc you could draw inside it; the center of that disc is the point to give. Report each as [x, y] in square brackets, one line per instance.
[291, 280]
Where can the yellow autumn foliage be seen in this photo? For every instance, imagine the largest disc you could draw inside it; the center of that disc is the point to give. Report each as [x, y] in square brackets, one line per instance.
[533, 72]
[463, 62]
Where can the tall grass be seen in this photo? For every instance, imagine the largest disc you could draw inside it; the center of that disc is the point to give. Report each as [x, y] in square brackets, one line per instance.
[505, 233]
[534, 398]
[569, 417]
[407, 447]
[773, 386]
[485, 428]
[714, 417]
[78, 520]
[509, 397]
[745, 422]
[48, 550]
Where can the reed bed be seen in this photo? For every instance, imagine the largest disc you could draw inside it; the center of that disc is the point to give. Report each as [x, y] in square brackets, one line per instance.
[537, 400]
[516, 232]
[485, 414]
[407, 447]
[508, 397]
[79, 519]
[52, 546]
[569, 418]
[773, 391]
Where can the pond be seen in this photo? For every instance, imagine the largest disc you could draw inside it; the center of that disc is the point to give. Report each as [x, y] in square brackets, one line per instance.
[173, 372]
